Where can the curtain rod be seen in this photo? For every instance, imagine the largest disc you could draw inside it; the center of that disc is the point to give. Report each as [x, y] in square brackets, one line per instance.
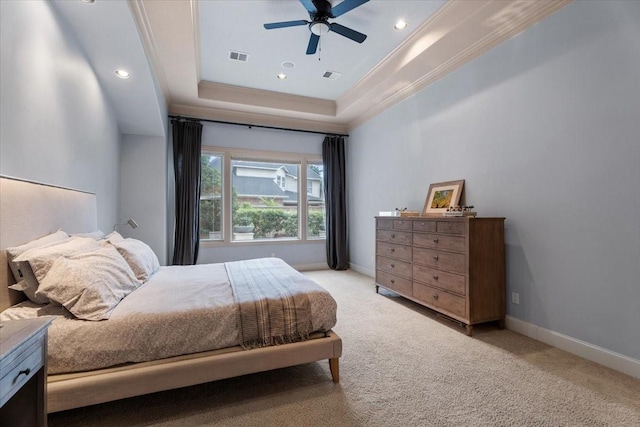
[171, 116]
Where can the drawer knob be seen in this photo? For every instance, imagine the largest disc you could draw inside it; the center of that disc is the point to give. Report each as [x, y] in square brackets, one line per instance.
[393, 250]
[435, 297]
[25, 372]
[393, 281]
[393, 236]
[435, 257]
[393, 266]
[435, 277]
[435, 240]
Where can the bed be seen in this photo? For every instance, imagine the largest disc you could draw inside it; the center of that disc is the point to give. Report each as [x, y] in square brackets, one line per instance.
[30, 210]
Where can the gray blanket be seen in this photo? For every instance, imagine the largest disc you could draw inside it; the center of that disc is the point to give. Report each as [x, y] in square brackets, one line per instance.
[272, 309]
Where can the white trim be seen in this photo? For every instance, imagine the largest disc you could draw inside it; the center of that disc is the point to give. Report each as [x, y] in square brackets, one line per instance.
[608, 358]
[363, 270]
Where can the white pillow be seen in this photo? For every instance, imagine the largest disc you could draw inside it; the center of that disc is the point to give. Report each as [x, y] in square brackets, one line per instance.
[114, 236]
[22, 272]
[41, 259]
[90, 284]
[95, 235]
[140, 257]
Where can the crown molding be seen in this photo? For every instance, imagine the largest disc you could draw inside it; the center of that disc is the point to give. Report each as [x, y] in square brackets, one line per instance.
[496, 16]
[264, 98]
[251, 118]
[149, 44]
[457, 33]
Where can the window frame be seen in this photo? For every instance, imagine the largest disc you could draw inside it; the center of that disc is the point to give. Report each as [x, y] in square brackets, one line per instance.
[230, 154]
[223, 166]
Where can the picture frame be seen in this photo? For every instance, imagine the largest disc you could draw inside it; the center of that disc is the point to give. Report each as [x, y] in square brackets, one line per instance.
[441, 196]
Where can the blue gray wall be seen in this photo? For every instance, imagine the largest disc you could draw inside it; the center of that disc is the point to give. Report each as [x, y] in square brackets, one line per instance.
[57, 124]
[545, 129]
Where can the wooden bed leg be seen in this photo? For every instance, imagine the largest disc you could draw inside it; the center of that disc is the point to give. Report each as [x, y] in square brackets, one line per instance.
[335, 369]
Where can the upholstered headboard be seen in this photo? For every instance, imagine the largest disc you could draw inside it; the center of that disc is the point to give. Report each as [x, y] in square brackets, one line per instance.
[29, 210]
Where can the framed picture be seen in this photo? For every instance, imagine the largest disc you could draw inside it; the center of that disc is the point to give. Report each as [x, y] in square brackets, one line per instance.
[442, 195]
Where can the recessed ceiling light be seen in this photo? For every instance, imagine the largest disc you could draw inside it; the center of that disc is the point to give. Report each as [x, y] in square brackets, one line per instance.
[87, 1]
[400, 25]
[282, 76]
[122, 74]
[288, 64]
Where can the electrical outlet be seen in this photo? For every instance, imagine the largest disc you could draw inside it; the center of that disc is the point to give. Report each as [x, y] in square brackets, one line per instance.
[515, 298]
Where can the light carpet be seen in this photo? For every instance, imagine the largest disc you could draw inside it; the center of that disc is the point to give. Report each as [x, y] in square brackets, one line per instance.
[401, 366]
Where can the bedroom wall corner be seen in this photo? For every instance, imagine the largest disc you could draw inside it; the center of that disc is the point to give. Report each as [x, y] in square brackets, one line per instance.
[143, 190]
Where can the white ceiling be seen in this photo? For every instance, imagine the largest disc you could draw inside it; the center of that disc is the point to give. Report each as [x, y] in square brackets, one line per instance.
[182, 48]
[238, 25]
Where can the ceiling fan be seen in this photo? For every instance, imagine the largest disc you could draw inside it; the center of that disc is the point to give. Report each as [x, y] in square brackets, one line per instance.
[319, 12]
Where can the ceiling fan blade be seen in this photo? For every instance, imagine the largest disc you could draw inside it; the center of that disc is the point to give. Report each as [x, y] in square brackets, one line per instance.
[313, 44]
[284, 24]
[308, 4]
[345, 7]
[348, 32]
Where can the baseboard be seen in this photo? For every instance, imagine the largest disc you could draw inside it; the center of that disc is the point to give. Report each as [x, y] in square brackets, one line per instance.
[610, 359]
[362, 270]
[311, 267]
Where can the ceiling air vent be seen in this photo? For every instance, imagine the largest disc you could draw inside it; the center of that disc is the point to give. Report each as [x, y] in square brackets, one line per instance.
[333, 75]
[238, 56]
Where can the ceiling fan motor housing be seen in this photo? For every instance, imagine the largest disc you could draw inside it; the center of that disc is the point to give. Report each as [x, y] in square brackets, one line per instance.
[319, 28]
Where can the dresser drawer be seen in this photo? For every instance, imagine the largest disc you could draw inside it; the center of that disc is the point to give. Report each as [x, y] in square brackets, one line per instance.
[401, 224]
[395, 283]
[446, 302]
[384, 224]
[449, 261]
[392, 236]
[394, 251]
[394, 266]
[440, 279]
[452, 227]
[18, 373]
[438, 241]
[424, 225]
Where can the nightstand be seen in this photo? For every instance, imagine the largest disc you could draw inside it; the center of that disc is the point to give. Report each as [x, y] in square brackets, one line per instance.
[23, 372]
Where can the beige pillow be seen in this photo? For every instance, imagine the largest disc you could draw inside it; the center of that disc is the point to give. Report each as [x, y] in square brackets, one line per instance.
[41, 259]
[90, 284]
[140, 257]
[114, 236]
[22, 273]
[95, 235]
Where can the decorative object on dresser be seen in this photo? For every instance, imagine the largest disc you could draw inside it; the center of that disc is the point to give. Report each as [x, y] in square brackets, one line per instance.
[23, 372]
[442, 195]
[455, 266]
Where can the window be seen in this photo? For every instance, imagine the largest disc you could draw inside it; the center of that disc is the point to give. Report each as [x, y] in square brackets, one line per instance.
[315, 201]
[249, 196]
[265, 202]
[211, 196]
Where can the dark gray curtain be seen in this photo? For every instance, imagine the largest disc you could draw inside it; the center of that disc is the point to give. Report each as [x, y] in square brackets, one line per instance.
[187, 141]
[334, 161]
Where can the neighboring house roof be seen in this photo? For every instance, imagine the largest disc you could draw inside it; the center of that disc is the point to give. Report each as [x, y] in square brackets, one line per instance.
[260, 187]
[265, 187]
[250, 186]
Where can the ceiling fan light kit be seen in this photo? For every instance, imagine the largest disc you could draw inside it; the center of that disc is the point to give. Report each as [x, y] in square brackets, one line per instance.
[319, 12]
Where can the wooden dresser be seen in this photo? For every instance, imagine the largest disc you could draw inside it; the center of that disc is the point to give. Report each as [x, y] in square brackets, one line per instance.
[454, 266]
